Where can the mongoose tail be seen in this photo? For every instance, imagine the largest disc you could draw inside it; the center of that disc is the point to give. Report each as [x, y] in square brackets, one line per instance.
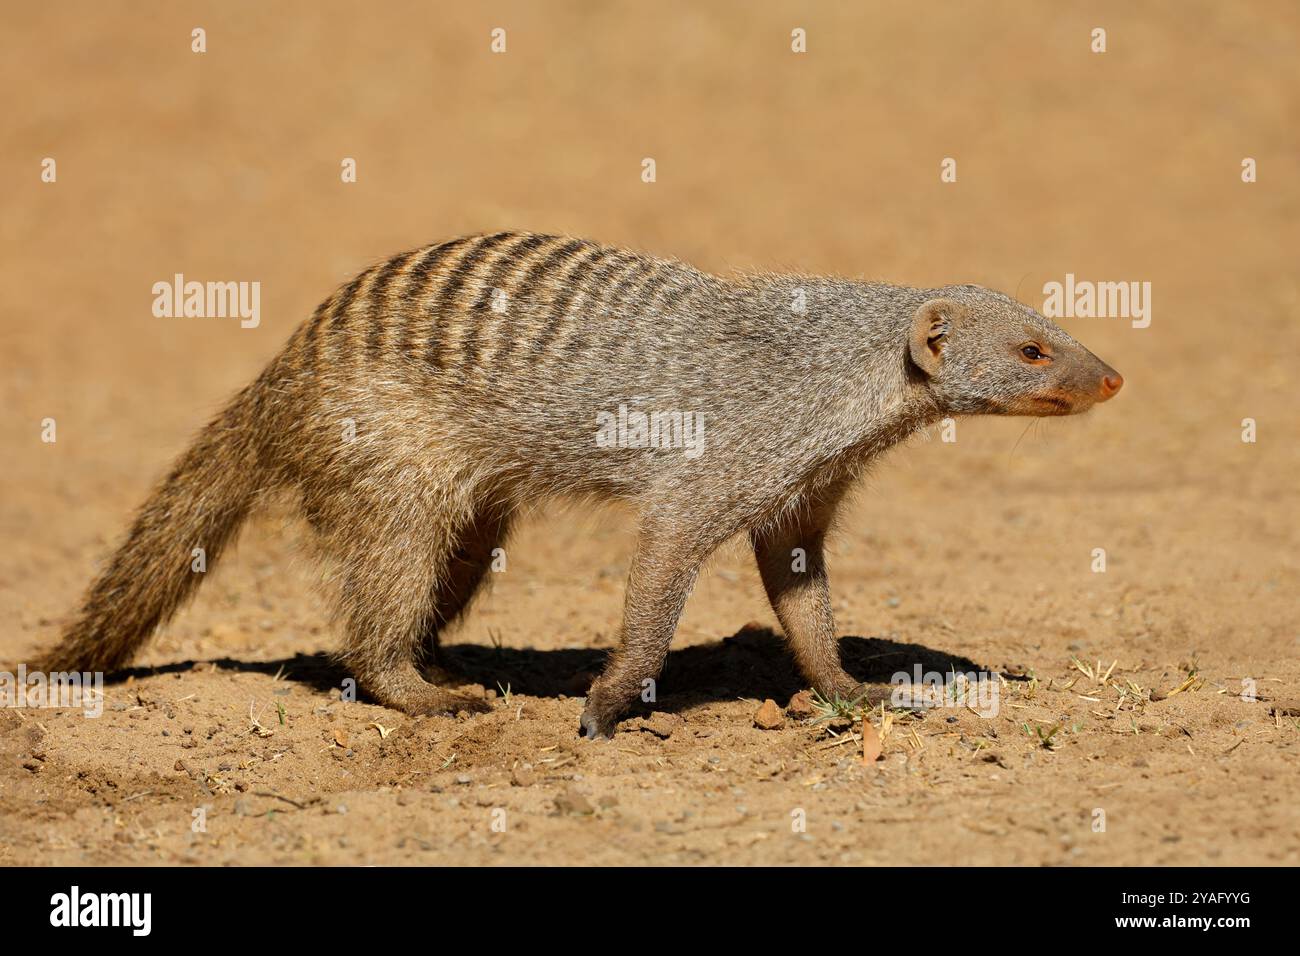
[199, 505]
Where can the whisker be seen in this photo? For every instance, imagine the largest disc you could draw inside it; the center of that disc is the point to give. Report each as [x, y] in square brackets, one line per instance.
[1032, 423]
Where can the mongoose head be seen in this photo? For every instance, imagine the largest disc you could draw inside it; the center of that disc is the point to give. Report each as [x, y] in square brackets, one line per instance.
[982, 352]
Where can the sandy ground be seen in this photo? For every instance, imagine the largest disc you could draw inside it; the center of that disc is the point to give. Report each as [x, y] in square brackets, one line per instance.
[970, 555]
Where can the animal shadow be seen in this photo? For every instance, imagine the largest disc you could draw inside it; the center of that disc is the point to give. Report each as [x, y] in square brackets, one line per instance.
[753, 663]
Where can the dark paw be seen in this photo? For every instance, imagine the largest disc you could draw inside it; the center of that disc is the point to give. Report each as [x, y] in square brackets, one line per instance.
[857, 692]
[853, 691]
[595, 728]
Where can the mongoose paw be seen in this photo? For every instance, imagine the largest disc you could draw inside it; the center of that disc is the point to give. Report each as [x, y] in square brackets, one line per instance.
[403, 689]
[850, 690]
[859, 691]
[447, 703]
[593, 728]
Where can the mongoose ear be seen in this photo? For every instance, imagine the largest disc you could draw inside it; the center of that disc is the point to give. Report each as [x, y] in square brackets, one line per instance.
[930, 327]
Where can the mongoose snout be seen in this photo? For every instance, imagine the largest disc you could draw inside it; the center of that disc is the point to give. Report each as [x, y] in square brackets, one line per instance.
[440, 394]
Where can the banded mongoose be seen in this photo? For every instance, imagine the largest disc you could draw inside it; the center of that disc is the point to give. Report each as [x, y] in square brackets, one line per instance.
[476, 373]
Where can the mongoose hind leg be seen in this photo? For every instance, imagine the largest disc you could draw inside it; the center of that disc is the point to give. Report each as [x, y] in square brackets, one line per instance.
[397, 552]
[402, 687]
[664, 569]
[466, 573]
[791, 559]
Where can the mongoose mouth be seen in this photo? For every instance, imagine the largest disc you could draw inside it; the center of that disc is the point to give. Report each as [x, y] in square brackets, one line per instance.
[1044, 406]
[1049, 404]
[1054, 405]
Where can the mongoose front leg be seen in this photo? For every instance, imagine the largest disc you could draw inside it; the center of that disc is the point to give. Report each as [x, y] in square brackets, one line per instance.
[663, 572]
[792, 562]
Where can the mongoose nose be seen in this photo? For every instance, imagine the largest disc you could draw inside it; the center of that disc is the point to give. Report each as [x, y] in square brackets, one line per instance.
[1110, 384]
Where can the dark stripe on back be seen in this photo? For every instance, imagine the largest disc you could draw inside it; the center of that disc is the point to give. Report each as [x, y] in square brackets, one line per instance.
[311, 337]
[523, 293]
[572, 282]
[621, 290]
[419, 274]
[480, 311]
[539, 271]
[446, 296]
[602, 295]
[640, 297]
[416, 285]
[340, 317]
[651, 291]
[677, 295]
[506, 264]
[375, 298]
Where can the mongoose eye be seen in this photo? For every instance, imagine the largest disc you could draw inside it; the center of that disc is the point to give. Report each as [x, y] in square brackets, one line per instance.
[1032, 353]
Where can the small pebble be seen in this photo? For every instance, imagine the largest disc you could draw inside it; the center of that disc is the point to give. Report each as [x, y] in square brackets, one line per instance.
[768, 716]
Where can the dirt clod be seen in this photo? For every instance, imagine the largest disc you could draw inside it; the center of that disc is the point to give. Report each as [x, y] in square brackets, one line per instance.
[801, 705]
[574, 802]
[660, 724]
[769, 716]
